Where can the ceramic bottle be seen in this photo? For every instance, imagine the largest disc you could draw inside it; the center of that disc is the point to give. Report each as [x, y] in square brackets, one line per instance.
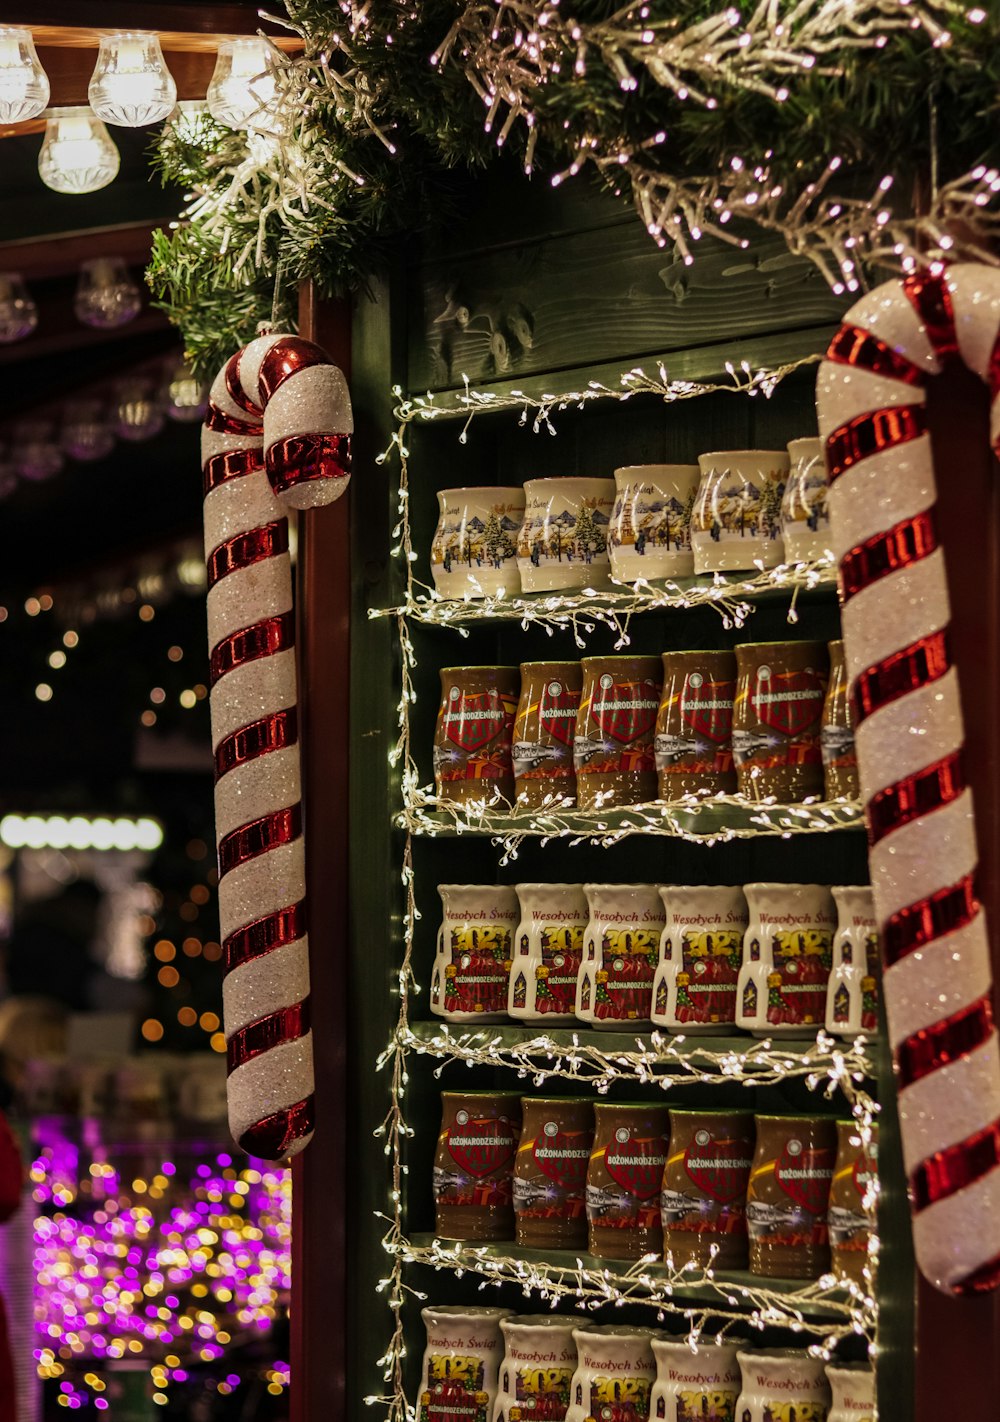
[780, 691]
[852, 1386]
[838, 749]
[805, 519]
[736, 521]
[621, 944]
[697, 1382]
[852, 994]
[625, 1178]
[461, 1363]
[550, 1172]
[787, 953]
[544, 730]
[538, 1366]
[850, 1223]
[781, 1383]
[788, 1196]
[613, 745]
[615, 1372]
[694, 726]
[475, 947]
[474, 1165]
[548, 951]
[701, 949]
[472, 738]
[704, 1195]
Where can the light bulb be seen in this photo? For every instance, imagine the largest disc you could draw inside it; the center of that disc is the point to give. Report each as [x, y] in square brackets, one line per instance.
[37, 456]
[131, 84]
[241, 87]
[8, 477]
[183, 397]
[78, 155]
[18, 312]
[106, 296]
[138, 416]
[24, 85]
[85, 433]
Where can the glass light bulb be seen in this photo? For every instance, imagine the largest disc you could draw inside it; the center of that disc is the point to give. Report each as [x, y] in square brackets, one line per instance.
[24, 85]
[8, 476]
[184, 397]
[241, 87]
[137, 415]
[36, 454]
[131, 84]
[78, 155]
[106, 296]
[18, 312]
[85, 433]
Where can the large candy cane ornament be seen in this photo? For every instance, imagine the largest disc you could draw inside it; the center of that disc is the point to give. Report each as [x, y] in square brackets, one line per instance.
[277, 435]
[923, 855]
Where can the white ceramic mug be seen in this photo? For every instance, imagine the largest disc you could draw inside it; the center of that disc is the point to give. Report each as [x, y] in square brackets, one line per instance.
[776, 1380]
[474, 550]
[461, 1361]
[853, 1389]
[696, 1381]
[538, 1366]
[736, 522]
[852, 993]
[805, 520]
[787, 952]
[563, 541]
[548, 950]
[650, 533]
[621, 945]
[615, 1372]
[701, 950]
[475, 946]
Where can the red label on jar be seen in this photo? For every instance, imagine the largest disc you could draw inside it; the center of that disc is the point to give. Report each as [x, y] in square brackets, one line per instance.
[636, 1164]
[804, 1174]
[788, 702]
[482, 1147]
[556, 975]
[707, 707]
[625, 710]
[557, 712]
[796, 986]
[564, 1157]
[706, 985]
[719, 1168]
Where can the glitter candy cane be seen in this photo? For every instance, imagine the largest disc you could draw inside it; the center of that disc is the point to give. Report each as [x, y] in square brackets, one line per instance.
[871, 398]
[277, 435]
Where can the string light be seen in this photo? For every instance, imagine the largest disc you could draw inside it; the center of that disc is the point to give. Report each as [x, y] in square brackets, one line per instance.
[79, 832]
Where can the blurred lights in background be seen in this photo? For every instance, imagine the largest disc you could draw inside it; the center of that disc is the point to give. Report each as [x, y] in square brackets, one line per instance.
[79, 832]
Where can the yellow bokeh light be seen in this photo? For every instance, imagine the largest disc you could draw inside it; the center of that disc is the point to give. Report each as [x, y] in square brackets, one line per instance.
[152, 1030]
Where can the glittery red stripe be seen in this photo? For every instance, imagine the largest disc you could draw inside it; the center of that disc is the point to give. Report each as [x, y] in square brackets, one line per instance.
[907, 542]
[263, 639]
[253, 546]
[270, 733]
[303, 457]
[233, 464]
[944, 911]
[993, 373]
[981, 1281]
[285, 1025]
[224, 423]
[286, 357]
[234, 386]
[854, 346]
[944, 1042]
[869, 434]
[917, 794]
[272, 1137]
[907, 670]
[276, 930]
[956, 1167]
[931, 300]
[258, 837]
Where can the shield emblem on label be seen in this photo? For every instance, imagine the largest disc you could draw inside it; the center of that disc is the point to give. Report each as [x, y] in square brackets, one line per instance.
[720, 1169]
[789, 702]
[625, 710]
[637, 1165]
[707, 707]
[804, 1175]
[482, 1147]
[569, 1171]
[472, 721]
[557, 712]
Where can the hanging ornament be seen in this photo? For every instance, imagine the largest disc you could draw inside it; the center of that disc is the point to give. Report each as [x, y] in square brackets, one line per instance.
[106, 296]
[871, 397]
[85, 434]
[137, 414]
[18, 312]
[35, 452]
[277, 436]
[183, 396]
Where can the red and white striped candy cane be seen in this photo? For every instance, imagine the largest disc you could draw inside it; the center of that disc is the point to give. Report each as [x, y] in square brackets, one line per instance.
[277, 435]
[923, 854]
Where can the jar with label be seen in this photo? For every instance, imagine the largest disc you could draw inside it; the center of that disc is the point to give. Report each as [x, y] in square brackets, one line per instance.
[550, 1172]
[563, 541]
[625, 1179]
[787, 954]
[695, 1381]
[852, 995]
[789, 1195]
[853, 1389]
[782, 1385]
[615, 1372]
[474, 1165]
[701, 949]
[544, 730]
[840, 756]
[620, 949]
[650, 533]
[780, 690]
[475, 948]
[472, 740]
[805, 518]
[694, 726]
[537, 1370]
[461, 1363]
[547, 953]
[474, 552]
[704, 1195]
[736, 520]
[613, 748]
[851, 1224]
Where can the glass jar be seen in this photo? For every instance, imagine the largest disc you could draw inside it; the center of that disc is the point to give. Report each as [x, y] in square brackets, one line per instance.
[789, 1195]
[544, 730]
[550, 1172]
[703, 1201]
[625, 1178]
[694, 726]
[474, 1165]
[472, 739]
[613, 746]
[780, 691]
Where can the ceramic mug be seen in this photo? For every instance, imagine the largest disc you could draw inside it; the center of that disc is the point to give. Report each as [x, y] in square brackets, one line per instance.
[625, 1178]
[615, 1372]
[839, 754]
[787, 954]
[805, 520]
[475, 949]
[704, 1197]
[620, 948]
[694, 726]
[473, 734]
[474, 1165]
[788, 1196]
[550, 1172]
[852, 993]
[544, 731]
[613, 746]
[780, 692]
[474, 550]
[650, 532]
[548, 951]
[736, 521]
[461, 1363]
[701, 950]
[780, 1384]
[694, 1381]
[853, 1389]
[537, 1369]
[848, 1220]
[563, 542]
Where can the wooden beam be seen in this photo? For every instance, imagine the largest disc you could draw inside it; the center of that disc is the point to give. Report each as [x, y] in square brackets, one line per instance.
[195, 26]
[41, 258]
[67, 334]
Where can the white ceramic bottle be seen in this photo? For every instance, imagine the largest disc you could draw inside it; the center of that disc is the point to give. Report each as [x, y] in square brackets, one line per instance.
[563, 541]
[538, 1366]
[473, 553]
[701, 947]
[621, 945]
[650, 532]
[461, 1362]
[548, 950]
[781, 1382]
[475, 946]
[853, 1389]
[852, 993]
[615, 1372]
[787, 952]
[697, 1381]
